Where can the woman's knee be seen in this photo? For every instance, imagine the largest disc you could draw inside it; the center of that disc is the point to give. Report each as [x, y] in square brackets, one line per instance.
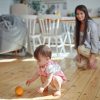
[84, 51]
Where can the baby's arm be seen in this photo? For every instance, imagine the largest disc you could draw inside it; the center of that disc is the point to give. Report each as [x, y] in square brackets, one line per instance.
[35, 76]
[50, 70]
[48, 81]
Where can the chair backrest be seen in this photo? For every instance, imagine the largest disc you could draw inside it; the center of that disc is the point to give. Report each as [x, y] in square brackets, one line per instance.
[49, 24]
[30, 21]
[68, 26]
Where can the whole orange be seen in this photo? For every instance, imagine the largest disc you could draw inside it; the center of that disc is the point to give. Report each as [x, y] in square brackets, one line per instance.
[19, 91]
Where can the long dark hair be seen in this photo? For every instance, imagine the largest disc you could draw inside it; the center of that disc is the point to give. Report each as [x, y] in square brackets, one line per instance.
[77, 26]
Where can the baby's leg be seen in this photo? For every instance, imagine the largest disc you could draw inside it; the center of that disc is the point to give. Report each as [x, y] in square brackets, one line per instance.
[56, 83]
[43, 79]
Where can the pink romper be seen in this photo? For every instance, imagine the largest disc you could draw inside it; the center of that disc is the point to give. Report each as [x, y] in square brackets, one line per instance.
[51, 67]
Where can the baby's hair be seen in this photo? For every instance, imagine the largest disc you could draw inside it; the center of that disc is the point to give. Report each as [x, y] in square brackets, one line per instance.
[42, 50]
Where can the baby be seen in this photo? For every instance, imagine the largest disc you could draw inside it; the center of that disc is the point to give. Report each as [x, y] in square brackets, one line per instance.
[49, 72]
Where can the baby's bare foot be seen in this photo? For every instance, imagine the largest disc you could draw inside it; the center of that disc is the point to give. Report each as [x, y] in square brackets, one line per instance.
[57, 93]
[46, 89]
[45, 92]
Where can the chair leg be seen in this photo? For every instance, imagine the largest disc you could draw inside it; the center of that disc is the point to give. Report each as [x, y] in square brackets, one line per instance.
[44, 40]
[48, 42]
[62, 46]
[69, 37]
[32, 47]
[56, 39]
[36, 42]
[39, 40]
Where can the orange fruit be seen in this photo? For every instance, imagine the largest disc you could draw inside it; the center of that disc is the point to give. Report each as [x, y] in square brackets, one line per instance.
[19, 91]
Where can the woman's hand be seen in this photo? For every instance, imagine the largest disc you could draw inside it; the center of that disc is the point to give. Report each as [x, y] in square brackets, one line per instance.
[92, 61]
[78, 57]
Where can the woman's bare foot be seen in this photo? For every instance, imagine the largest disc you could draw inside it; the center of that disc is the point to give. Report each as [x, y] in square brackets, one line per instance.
[94, 65]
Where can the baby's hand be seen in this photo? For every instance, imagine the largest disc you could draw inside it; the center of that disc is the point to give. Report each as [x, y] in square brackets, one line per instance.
[40, 90]
[28, 82]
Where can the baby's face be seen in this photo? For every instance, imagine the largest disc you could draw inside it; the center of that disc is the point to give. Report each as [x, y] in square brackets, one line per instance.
[42, 60]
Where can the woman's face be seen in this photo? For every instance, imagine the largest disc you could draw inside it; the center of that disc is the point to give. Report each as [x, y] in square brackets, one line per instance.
[80, 15]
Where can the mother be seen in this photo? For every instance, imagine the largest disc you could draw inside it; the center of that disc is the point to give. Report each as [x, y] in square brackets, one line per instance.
[86, 38]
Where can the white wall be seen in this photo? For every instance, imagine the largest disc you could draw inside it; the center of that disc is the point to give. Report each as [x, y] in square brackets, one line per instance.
[91, 4]
[5, 6]
[71, 4]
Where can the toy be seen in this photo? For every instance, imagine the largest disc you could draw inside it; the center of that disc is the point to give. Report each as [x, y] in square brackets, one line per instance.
[19, 91]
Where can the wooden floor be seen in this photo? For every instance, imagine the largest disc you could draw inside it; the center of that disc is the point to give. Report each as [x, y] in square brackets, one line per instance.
[81, 84]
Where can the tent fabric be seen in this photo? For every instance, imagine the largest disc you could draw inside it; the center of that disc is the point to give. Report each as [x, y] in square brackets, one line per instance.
[12, 33]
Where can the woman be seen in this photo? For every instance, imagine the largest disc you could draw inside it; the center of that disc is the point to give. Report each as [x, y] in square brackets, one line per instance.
[86, 38]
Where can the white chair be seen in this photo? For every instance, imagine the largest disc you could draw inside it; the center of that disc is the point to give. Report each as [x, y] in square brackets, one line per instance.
[34, 38]
[49, 25]
[68, 29]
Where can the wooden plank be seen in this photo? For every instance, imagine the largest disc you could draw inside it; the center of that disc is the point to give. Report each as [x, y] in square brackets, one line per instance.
[98, 95]
[79, 85]
[92, 87]
[79, 82]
